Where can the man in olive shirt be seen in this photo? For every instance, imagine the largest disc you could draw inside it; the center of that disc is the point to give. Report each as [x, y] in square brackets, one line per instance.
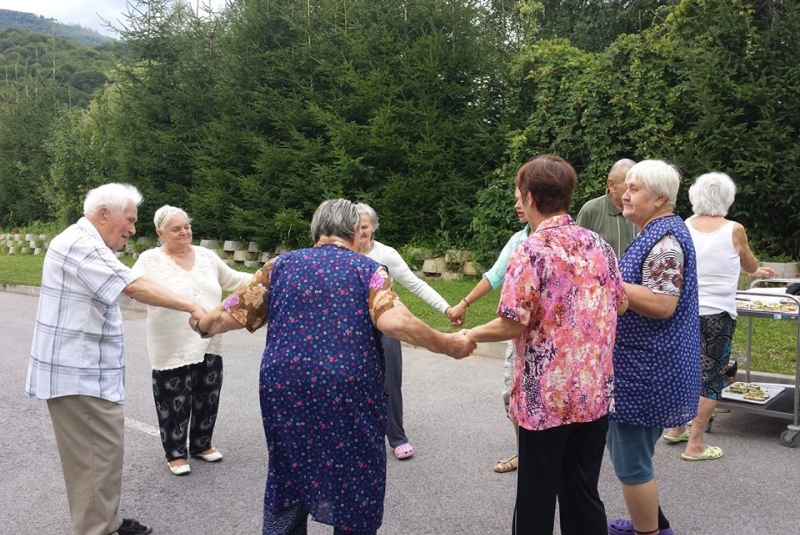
[604, 214]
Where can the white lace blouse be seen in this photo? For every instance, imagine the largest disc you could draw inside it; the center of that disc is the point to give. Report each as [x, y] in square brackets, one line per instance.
[171, 343]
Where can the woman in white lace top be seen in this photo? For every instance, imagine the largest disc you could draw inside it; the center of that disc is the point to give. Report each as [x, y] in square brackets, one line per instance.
[187, 369]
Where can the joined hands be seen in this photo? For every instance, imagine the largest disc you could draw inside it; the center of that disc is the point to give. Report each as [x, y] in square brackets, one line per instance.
[459, 346]
[195, 316]
[457, 314]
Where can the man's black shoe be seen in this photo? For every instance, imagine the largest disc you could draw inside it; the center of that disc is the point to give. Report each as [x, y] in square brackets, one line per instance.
[133, 527]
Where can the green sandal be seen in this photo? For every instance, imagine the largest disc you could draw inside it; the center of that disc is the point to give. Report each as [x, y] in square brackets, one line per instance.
[683, 437]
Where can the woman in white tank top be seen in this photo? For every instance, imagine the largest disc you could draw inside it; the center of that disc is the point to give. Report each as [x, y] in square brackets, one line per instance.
[722, 251]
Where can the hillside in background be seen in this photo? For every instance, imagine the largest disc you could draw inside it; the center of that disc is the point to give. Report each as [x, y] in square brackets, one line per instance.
[31, 60]
[39, 24]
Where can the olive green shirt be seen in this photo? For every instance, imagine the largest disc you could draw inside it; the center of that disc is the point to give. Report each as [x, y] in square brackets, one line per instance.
[601, 216]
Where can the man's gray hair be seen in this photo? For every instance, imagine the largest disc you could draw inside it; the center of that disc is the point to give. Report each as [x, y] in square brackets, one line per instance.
[116, 197]
[367, 209]
[712, 194]
[335, 217]
[659, 179]
[165, 213]
[620, 169]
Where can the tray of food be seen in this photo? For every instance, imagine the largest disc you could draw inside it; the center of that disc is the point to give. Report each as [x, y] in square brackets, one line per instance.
[766, 304]
[758, 393]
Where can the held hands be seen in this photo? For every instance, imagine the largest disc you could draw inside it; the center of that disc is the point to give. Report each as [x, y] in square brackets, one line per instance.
[459, 346]
[196, 314]
[457, 314]
[194, 321]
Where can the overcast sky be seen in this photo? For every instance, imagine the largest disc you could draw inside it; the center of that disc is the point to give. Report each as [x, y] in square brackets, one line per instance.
[87, 13]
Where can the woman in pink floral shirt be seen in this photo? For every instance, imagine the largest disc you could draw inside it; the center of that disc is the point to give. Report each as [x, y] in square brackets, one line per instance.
[560, 300]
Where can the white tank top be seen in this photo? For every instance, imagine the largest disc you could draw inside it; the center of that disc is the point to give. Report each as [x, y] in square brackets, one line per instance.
[718, 268]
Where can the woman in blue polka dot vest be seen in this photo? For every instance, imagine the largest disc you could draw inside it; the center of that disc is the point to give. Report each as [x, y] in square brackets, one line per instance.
[657, 348]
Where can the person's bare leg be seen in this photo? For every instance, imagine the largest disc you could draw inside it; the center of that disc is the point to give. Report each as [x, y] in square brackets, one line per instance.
[642, 502]
[676, 431]
[705, 409]
[516, 439]
[509, 464]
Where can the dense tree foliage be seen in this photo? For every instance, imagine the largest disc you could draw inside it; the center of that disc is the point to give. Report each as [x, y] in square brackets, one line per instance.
[737, 108]
[713, 87]
[250, 117]
[24, 169]
[43, 78]
[254, 119]
[593, 25]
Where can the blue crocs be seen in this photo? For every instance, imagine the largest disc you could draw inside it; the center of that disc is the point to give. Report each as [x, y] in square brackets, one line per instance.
[621, 526]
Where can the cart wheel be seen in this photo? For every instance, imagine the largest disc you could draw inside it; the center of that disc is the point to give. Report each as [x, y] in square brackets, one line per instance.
[789, 438]
[710, 424]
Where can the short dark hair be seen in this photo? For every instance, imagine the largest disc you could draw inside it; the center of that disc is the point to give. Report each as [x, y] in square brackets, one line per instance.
[551, 181]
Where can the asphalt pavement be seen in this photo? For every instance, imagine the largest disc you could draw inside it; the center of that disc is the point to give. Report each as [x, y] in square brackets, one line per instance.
[453, 416]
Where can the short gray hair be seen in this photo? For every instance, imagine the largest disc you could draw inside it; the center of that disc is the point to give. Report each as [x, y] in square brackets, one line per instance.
[659, 179]
[712, 194]
[367, 209]
[116, 197]
[165, 213]
[620, 170]
[335, 217]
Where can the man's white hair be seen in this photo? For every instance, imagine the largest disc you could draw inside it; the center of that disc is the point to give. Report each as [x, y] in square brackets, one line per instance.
[116, 197]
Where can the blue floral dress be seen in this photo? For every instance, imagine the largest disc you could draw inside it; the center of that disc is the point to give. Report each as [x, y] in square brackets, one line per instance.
[321, 382]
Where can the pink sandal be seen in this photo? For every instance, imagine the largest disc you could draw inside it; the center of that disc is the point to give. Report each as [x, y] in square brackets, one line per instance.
[403, 451]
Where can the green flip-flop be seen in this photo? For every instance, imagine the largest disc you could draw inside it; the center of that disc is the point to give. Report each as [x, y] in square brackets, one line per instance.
[710, 453]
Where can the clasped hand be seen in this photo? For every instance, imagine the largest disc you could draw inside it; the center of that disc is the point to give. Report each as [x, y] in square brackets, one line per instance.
[456, 314]
[460, 346]
[195, 316]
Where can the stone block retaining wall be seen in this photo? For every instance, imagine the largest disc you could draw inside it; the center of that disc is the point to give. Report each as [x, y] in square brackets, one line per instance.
[16, 243]
[454, 265]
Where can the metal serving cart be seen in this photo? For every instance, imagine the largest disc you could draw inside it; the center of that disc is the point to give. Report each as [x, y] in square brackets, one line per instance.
[784, 307]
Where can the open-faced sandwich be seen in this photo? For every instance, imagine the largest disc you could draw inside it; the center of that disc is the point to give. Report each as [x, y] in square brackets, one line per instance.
[749, 391]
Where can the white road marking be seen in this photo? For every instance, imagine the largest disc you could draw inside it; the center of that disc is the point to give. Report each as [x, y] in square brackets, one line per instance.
[141, 426]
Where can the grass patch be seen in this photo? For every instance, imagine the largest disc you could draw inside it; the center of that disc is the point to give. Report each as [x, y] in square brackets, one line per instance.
[21, 269]
[478, 313]
[774, 342]
[774, 345]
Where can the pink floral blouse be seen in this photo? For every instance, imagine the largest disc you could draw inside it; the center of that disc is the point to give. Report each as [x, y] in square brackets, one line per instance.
[564, 285]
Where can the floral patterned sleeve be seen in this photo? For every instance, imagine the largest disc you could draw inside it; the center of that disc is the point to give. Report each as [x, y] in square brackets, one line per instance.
[248, 304]
[663, 268]
[381, 294]
[519, 297]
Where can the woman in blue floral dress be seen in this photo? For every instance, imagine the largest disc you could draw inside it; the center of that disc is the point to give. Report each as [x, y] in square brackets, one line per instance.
[322, 374]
